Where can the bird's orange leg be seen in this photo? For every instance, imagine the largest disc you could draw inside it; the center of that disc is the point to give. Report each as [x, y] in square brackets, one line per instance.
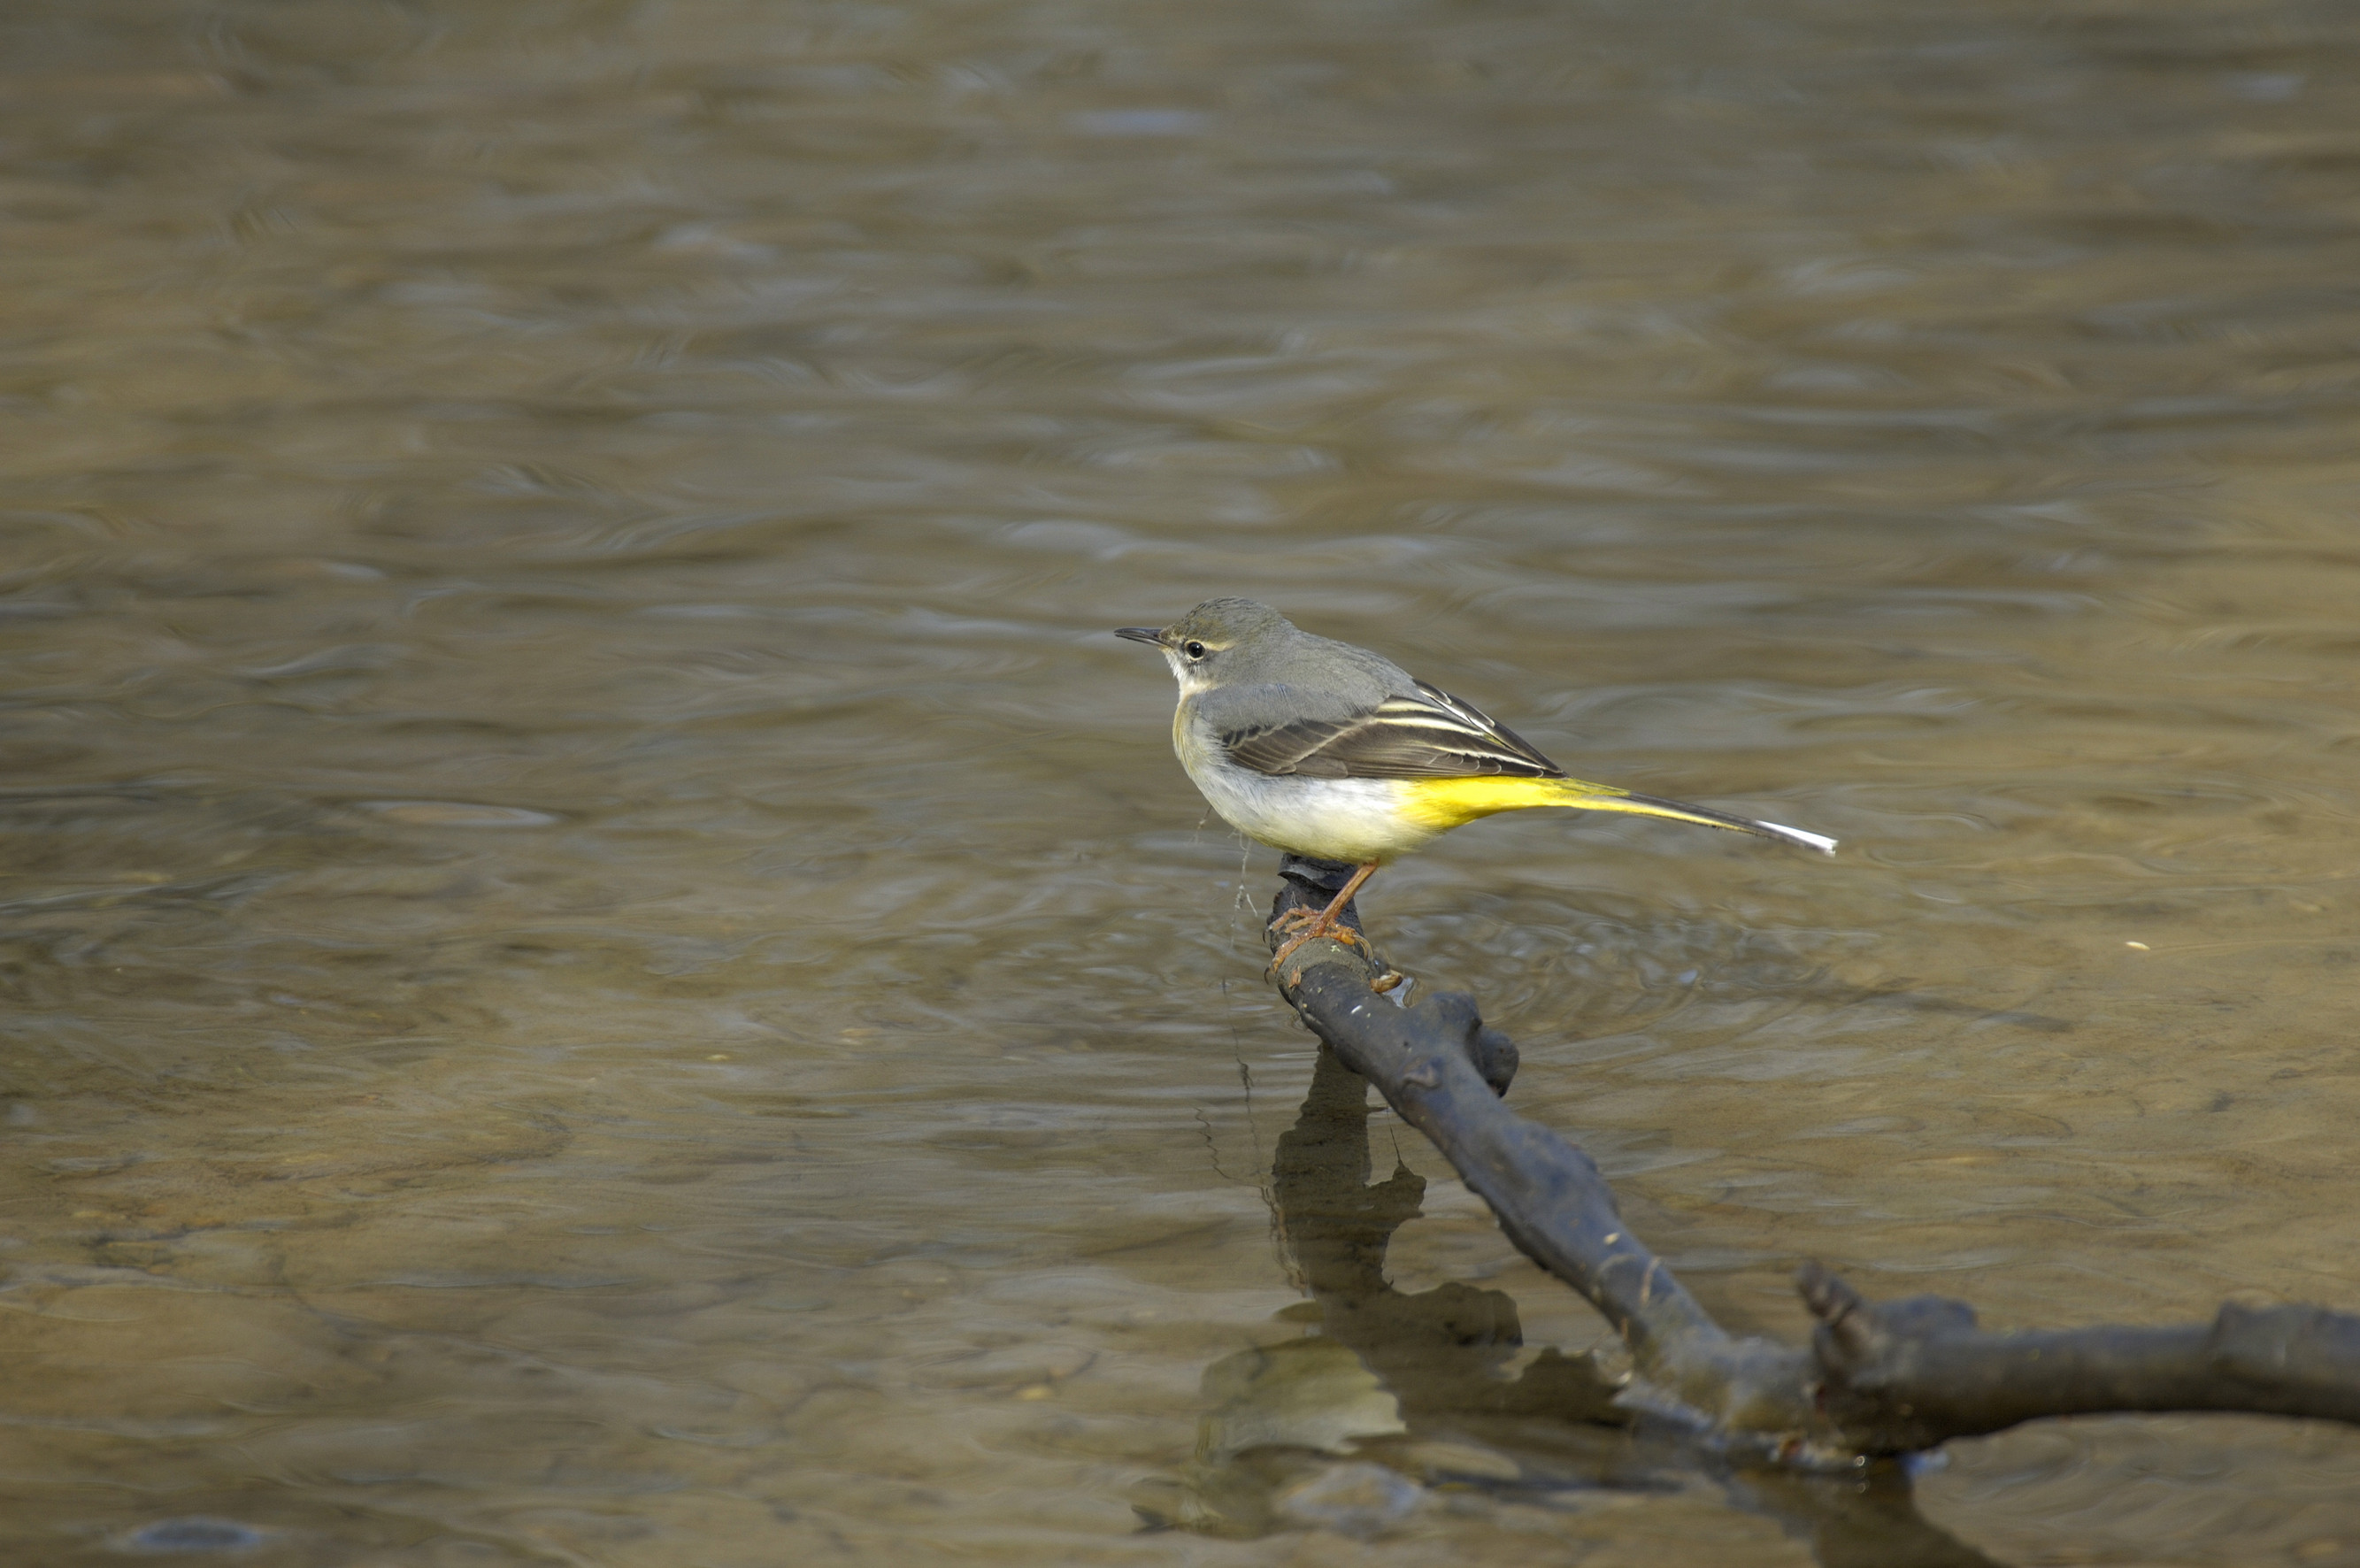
[1324, 923]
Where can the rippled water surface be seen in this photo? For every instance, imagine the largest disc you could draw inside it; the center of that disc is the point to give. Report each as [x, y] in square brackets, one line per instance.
[610, 966]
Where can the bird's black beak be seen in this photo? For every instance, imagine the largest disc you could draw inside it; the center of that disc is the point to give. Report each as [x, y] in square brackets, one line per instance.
[1141, 634]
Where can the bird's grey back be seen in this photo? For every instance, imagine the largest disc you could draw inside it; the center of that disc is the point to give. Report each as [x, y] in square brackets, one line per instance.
[1294, 675]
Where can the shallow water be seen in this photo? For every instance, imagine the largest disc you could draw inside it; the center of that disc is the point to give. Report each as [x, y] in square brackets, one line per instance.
[611, 967]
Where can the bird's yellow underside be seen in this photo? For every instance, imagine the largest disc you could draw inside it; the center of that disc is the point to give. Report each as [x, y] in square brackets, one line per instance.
[1444, 803]
[1441, 804]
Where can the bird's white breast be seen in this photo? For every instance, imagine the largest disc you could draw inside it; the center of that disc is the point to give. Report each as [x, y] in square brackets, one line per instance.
[1358, 820]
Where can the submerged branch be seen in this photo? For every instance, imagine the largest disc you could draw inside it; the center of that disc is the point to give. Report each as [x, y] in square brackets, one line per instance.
[1876, 1379]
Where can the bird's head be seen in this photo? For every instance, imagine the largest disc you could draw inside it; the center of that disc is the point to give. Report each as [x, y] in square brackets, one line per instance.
[1220, 641]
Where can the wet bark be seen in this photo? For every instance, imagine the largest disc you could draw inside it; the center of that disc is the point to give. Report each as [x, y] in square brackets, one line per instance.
[1451, 1355]
[1876, 1379]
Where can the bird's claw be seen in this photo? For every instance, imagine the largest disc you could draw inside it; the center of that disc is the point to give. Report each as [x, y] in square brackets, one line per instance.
[1313, 928]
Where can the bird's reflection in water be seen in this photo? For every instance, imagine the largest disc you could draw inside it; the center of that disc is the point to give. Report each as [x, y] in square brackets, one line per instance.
[1397, 1396]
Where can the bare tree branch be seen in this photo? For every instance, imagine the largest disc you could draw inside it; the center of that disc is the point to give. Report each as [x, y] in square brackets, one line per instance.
[1451, 1356]
[1908, 1374]
[1876, 1379]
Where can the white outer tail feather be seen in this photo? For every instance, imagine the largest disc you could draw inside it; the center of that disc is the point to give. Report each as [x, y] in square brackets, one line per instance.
[1819, 842]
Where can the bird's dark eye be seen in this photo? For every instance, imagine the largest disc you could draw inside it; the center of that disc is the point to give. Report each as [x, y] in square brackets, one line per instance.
[1192, 649]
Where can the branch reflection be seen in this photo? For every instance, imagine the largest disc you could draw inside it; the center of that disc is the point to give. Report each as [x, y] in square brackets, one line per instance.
[1396, 1398]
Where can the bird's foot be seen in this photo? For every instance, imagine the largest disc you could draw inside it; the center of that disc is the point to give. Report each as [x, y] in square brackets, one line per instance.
[1326, 922]
[1313, 927]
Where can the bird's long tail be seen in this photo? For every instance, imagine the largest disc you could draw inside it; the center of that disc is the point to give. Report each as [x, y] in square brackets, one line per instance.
[1446, 802]
[1604, 798]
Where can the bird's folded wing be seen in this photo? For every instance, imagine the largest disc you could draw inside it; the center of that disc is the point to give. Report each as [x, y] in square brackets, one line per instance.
[1429, 736]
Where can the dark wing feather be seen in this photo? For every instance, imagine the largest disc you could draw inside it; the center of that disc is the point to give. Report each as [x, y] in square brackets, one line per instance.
[1430, 736]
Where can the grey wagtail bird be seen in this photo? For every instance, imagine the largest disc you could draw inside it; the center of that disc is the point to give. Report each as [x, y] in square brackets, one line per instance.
[1331, 752]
